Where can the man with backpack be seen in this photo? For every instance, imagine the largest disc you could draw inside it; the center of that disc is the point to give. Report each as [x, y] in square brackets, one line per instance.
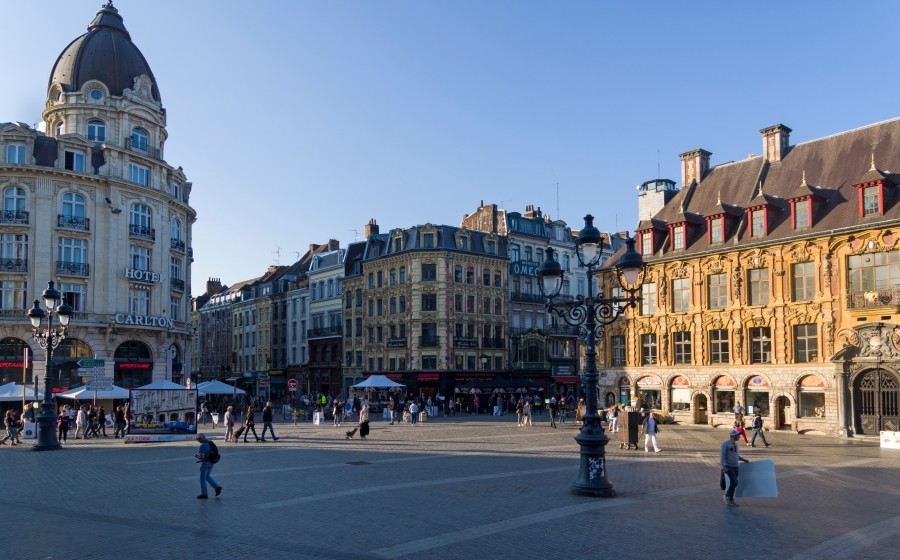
[758, 429]
[207, 456]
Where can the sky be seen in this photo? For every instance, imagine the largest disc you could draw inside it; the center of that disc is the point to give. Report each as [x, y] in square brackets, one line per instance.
[299, 121]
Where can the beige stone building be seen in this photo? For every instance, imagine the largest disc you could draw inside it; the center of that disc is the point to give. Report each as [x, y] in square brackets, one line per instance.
[772, 282]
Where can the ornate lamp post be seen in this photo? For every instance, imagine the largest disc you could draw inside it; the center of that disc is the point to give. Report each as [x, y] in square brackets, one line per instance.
[49, 339]
[591, 314]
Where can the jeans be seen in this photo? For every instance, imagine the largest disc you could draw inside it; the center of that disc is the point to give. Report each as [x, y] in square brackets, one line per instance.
[732, 474]
[120, 429]
[759, 433]
[205, 476]
[268, 426]
[413, 417]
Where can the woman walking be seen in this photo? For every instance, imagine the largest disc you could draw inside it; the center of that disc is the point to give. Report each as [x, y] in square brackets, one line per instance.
[119, 422]
[10, 422]
[62, 426]
[739, 426]
[250, 424]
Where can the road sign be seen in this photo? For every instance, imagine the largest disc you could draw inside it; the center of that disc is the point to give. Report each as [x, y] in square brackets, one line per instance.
[90, 363]
[92, 372]
[99, 384]
[292, 383]
[263, 381]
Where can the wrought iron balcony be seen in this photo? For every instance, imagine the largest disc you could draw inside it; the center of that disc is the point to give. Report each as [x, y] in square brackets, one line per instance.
[13, 265]
[141, 232]
[177, 284]
[146, 150]
[526, 298]
[879, 297]
[72, 268]
[178, 245]
[324, 332]
[19, 217]
[429, 341]
[465, 342]
[73, 222]
[396, 342]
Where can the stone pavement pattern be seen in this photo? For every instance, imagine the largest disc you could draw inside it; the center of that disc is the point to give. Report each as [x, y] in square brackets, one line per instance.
[459, 488]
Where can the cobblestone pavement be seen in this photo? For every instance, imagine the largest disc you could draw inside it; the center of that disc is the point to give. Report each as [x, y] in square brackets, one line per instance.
[458, 488]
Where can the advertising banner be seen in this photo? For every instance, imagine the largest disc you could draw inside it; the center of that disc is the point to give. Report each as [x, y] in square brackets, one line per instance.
[162, 415]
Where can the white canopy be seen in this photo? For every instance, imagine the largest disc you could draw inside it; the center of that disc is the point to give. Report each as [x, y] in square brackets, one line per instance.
[218, 388]
[162, 384]
[377, 382]
[13, 392]
[83, 393]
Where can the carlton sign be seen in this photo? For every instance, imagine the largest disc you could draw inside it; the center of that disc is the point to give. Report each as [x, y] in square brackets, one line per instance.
[143, 320]
[141, 275]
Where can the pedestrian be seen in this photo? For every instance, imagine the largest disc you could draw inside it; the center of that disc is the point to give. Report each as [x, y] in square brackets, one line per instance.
[757, 425]
[204, 410]
[81, 423]
[267, 422]
[650, 428]
[392, 409]
[729, 458]
[119, 428]
[580, 409]
[229, 423]
[526, 413]
[738, 410]
[413, 413]
[62, 426]
[203, 455]
[250, 424]
[520, 413]
[614, 419]
[101, 416]
[551, 406]
[10, 423]
[363, 426]
[739, 426]
[562, 409]
[336, 411]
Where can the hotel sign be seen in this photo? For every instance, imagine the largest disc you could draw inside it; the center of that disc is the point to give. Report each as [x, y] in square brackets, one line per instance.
[143, 320]
[524, 268]
[142, 275]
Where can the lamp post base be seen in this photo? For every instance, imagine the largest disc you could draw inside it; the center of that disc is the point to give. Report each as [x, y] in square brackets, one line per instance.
[592, 480]
[46, 433]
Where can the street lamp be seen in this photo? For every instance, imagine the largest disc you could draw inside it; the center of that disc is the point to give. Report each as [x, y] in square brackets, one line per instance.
[49, 339]
[591, 314]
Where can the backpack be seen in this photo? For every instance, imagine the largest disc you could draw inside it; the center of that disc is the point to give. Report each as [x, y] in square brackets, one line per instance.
[214, 454]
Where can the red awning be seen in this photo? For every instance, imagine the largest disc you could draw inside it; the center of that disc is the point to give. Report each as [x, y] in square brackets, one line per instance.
[428, 376]
[566, 379]
[394, 376]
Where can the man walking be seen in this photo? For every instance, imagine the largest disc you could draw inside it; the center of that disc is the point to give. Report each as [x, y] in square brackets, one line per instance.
[729, 458]
[650, 427]
[738, 410]
[81, 423]
[551, 404]
[267, 422]
[758, 429]
[203, 456]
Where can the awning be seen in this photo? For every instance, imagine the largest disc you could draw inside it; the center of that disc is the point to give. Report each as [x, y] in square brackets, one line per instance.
[394, 376]
[428, 376]
[566, 379]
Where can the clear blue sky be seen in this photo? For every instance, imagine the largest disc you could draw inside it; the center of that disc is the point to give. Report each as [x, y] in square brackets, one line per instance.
[298, 121]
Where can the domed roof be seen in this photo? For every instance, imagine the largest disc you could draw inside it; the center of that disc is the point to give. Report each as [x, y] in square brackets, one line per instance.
[105, 53]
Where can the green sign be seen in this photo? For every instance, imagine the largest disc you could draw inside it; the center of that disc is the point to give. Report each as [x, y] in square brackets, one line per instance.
[90, 363]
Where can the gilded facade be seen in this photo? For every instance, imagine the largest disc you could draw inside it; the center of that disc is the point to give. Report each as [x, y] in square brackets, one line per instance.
[774, 283]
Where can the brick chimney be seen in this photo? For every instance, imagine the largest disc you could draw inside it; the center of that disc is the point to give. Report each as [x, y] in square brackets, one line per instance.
[694, 165]
[334, 244]
[776, 142]
[371, 228]
[213, 286]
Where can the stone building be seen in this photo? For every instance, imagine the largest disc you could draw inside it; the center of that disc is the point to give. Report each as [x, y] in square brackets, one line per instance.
[773, 282]
[90, 203]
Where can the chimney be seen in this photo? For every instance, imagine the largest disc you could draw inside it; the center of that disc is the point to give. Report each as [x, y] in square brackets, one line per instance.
[776, 142]
[371, 228]
[334, 244]
[694, 165]
[213, 286]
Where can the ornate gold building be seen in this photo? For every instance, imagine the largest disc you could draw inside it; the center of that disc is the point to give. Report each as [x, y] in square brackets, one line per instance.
[772, 282]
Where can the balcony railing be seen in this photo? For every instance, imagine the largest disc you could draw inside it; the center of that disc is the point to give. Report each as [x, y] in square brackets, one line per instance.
[142, 232]
[880, 297]
[323, 332]
[178, 245]
[396, 342]
[177, 284]
[429, 341]
[465, 342]
[526, 298]
[149, 150]
[19, 217]
[73, 222]
[13, 265]
[72, 268]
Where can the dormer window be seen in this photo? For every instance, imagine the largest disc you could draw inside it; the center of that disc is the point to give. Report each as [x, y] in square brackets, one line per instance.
[716, 226]
[871, 200]
[15, 153]
[802, 215]
[646, 243]
[428, 241]
[678, 237]
[96, 131]
[758, 223]
[138, 140]
[74, 161]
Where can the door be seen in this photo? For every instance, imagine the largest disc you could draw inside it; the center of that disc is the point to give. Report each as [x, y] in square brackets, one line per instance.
[782, 413]
[700, 410]
[877, 402]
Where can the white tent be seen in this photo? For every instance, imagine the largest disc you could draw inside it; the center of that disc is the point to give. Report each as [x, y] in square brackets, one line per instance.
[13, 392]
[377, 382]
[83, 393]
[218, 388]
[162, 384]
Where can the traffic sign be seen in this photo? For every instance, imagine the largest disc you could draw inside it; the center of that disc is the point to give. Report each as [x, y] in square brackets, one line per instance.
[99, 384]
[292, 383]
[92, 372]
[90, 363]
[263, 381]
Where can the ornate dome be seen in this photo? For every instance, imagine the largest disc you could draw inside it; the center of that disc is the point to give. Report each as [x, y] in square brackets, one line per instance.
[105, 53]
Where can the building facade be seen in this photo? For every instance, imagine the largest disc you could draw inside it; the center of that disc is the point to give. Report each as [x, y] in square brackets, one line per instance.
[774, 283]
[325, 335]
[91, 204]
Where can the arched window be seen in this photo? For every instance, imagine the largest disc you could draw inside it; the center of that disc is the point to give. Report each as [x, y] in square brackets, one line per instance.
[138, 139]
[13, 199]
[176, 230]
[96, 131]
[140, 215]
[134, 365]
[65, 362]
[61, 125]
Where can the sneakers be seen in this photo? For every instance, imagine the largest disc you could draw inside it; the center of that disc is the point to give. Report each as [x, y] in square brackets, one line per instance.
[730, 503]
[218, 490]
[658, 450]
[262, 440]
[274, 438]
[202, 497]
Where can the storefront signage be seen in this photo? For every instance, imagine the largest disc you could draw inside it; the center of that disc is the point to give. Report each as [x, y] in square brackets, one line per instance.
[141, 275]
[145, 320]
[11, 364]
[524, 268]
[133, 366]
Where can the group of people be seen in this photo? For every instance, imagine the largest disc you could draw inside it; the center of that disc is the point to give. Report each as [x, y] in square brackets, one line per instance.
[249, 424]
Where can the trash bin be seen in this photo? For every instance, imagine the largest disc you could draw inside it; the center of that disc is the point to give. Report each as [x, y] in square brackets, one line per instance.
[318, 418]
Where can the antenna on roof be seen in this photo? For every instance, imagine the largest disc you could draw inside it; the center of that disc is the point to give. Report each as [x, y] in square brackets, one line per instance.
[657, 163]
[277, 253]
[355, 234]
